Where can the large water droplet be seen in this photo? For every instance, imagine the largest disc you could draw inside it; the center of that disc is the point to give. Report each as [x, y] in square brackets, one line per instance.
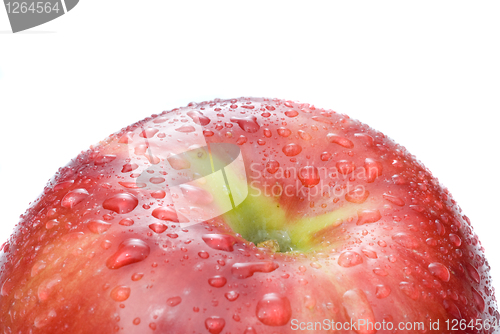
[478, 300]
[198, 117]
[473, 272]
[304, 135]
[129, 251]
[217, 281]
[120, 293]
[196, 195]
[342, 141]
[455, 240]
[47, 286]
[178, 163]
[103, 159]
[186, 129]
[241, 140]
[368, 216]
[274, 310]
[394, 199]
[231, 295]
[98, 226]
[158, 227]
[129, 167]
[245, 270]
[291, 149]
[248, 124]
[349, 259]
[291, 113]
[272, 166]
[358, 308]
[174, 301]
[373, 169]
[223, 242]
[284, 132]
[74, 197]
[148, 133]
[358, 195]
[309, 176]
[382, 291]
[440, 271]
[45, 318]
[121, 203]
[165, 213]
[215, 325]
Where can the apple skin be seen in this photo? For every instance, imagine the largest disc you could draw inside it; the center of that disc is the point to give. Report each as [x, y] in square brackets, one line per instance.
[364, 230]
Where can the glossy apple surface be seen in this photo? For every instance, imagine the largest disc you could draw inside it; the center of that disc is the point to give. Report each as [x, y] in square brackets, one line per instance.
[248, 216]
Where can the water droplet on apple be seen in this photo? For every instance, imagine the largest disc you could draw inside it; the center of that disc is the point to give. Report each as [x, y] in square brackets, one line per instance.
[174, 301]
[373, 169]
[342, 141]
[121, 203]
[440, 271]
[120, 293]
[473, 272]
[45, 318]
[382, 291]
[74, 197]
[103, 159]
[165, 213]
[37, 267]
[231, 295]
[369, 253]
[148, 133]
[304, 135]
[158, 227]
[349, 259]
[291, 113]
[136, 321]
[345, 167]
[98, 226]
[358, 308]
[241, 140]
[455, 240]
[198, 117]
[409, 289]
[292, 149]
[223, 242]
[394, 199]
[274, 310]
[137, 276]
[215, 325]
[217, 281]
[272, 166]
[126, 222]
[325, 156]
[358, 195]
[248, 124]
[405, 240]
[368, 216]
[478, 300]
[309, 176]
[47, 286]
[245, 270]
[203, 255]
[249, 330]
[129, 251]
[380, 272]
[267, 133]
[186, 129]
[178, 163]
[284, 132]
[196, 195]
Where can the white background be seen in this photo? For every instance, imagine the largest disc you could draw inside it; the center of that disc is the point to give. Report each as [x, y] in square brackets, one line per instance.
[425, 73]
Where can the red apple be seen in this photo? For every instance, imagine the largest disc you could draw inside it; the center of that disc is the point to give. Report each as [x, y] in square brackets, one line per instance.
[248, 215]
